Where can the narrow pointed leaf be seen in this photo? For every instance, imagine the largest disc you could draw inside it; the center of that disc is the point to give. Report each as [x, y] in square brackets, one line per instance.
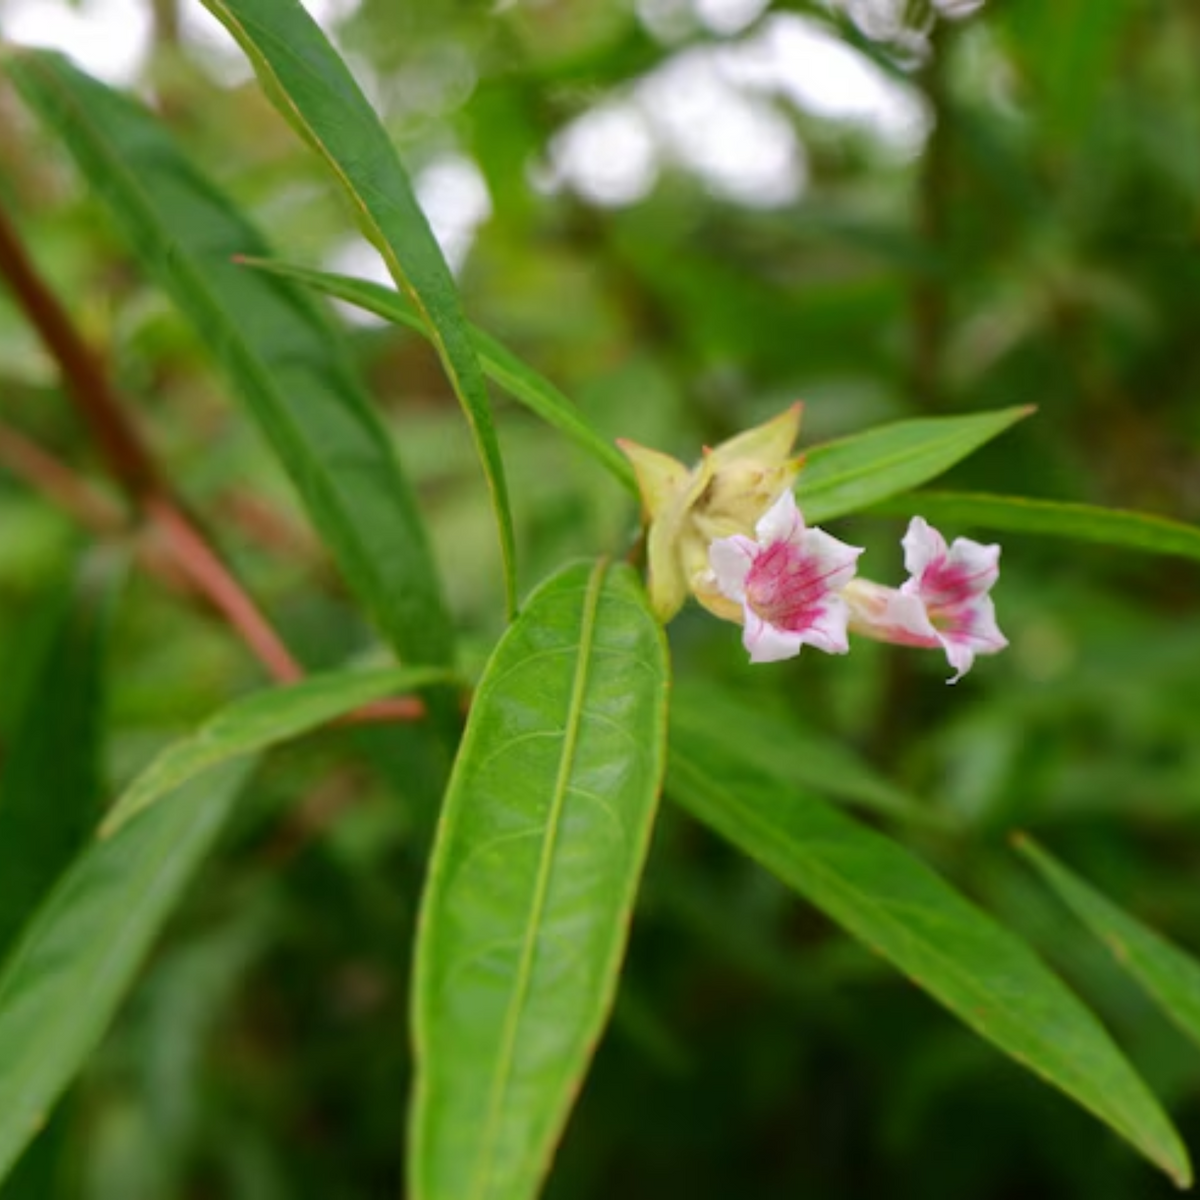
[1145, 532]
[500, 364]
[285, 360]
[843, 476]
[794, 755]
[1168, 974]
[258, 721]
[311, 86]
[50, 783]
[532, 883]
[909, 915]
[64, 980]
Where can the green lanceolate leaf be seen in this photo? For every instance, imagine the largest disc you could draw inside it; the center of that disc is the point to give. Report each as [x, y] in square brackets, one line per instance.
[284, 359]
[1168, 974]
[794, 755]
[843, 476]
[1053, 518]
[312, 87]
[66, 976]
[532, 883]
[258, 721]
[50, 782]
[890, 900]
[499, 363]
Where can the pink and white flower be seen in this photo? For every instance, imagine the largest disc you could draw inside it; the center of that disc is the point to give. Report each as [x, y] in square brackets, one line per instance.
[788, 582]
[944, 602]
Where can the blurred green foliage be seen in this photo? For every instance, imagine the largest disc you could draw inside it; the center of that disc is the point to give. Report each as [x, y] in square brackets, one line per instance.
[1019, 223]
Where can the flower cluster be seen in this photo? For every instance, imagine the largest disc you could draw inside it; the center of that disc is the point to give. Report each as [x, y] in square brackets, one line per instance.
[731, 533]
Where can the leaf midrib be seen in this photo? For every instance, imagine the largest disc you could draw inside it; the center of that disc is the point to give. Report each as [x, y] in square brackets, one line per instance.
[507, 1051]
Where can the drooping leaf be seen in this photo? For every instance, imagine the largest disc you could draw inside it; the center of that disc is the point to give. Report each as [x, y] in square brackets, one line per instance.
[311, 86]
[795, 755]
[899, 907]
[1168, 974]
[285, 360]
[262, 719]
[1054, 518]
[843, 476]
[499, 363]
[50, 783]
[532, 883]
[66, 976]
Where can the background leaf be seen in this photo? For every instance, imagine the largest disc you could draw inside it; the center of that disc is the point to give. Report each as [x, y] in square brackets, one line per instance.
[50, 784]
[78, 957]
[792, 754]
[843, 476]
[258, 721]
[499, 363]
[283, 358]
[1167, 973]
[532, 883]
[312, 87]
[1054, 518]
[904, 911]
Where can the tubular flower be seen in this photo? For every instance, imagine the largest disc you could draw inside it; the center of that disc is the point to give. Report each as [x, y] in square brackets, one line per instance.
[787, 584]
[724, 494]
[944, 603]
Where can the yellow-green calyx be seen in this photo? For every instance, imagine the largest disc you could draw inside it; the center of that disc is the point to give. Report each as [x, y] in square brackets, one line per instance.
[724, 494]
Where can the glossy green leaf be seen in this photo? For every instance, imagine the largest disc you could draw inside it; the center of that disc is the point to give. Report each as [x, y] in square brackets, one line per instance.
[532, 883]
[795, 755]
[311, 86]
[262, 719]
[1170, 975]
[80, 954]
[909, 915]
[285, 360]
[499, 363]
[1083, 522]
[843, 476]
[50, 782]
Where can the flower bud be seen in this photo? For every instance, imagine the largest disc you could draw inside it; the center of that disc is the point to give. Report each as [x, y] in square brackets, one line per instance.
[724, 495]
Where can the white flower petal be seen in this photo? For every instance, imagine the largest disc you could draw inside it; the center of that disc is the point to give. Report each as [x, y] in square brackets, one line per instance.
[765, 643]
[923, 545]
[961, 657]
[731, 559]
[984, 634]
[977, 562]
[828, 631]
[836, 561]
[782, 522]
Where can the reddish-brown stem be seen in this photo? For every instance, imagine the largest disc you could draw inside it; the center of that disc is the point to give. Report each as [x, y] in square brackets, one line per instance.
[27, 460]
[209, 575]
[133, 468]
[83, 373]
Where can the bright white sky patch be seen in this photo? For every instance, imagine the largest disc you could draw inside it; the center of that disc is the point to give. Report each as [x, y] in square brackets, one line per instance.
[214, 45]
[819, 73]
[737, 143]
[356, 256]
[728, 16]
[455, 199]
[607, 154]
[669, 20]
[108, 38]
[111, 38]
